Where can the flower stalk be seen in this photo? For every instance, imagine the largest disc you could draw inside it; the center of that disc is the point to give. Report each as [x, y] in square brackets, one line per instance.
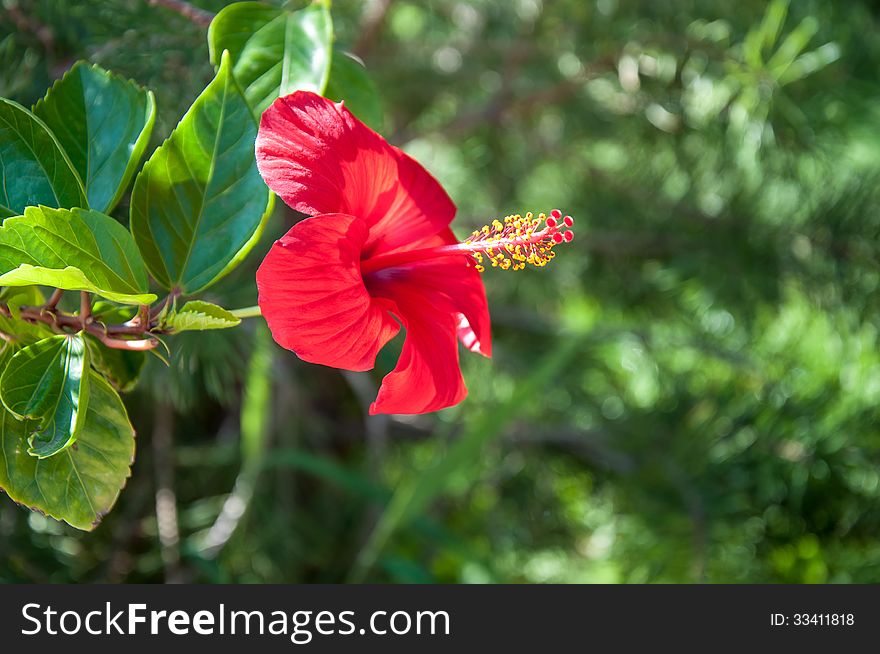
[247, 312]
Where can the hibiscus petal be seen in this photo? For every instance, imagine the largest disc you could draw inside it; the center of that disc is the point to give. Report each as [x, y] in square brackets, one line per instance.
[319, 158]
[436, 300]
[313, 297]
[467, 335]
[456, 278]
[427, 376]
[464, 285]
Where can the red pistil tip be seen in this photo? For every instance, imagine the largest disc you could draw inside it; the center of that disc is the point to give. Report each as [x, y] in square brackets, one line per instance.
[518, 240]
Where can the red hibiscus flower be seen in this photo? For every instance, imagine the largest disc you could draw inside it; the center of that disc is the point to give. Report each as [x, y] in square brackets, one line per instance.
[377, 253]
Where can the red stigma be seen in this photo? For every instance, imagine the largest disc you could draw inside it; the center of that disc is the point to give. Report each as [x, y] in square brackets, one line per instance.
[556, 214]
[568, 221]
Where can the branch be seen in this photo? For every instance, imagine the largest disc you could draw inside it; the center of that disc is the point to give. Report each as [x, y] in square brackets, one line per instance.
[200, 17]
[85, 308]
[55, 299]
[113, 336]
[136, 345]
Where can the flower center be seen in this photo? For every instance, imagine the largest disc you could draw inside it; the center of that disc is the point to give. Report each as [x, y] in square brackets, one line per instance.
[511, 243]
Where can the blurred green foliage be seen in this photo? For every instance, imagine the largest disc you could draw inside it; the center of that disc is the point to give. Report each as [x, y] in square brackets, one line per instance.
[689, 393]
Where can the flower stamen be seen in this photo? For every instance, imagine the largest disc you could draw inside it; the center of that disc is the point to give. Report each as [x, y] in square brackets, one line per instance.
[518, 240]
[513, 243]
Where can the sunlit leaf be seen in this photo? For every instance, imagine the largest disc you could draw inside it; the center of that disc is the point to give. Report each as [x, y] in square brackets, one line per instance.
[198, 316]
[77, 249]
[103, 122]
[48, 382]
[275, 51]
[199, 204]
[792, 46]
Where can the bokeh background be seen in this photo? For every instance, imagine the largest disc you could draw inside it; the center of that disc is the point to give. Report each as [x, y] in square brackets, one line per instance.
[689, 393]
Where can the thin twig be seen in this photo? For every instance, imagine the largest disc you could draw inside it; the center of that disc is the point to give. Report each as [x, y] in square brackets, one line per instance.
[85, 308]
[135, 344]
[54, 299]
[200, 17]
[143, 317]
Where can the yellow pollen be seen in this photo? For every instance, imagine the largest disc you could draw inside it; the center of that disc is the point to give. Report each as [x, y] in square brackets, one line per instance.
[519, 240]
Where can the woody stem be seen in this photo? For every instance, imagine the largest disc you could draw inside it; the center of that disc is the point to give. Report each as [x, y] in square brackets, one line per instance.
[55, 298]
[110, 335]
[85, 308]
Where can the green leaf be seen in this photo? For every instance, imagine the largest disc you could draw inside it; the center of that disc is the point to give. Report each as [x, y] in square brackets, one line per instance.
[20, 332]
[276, 51]
[792, 46]
[771, 26]
[34, 168]
[198, 316]
[16, 331]
[80, 484]
[49, 382]
[77, 250]
[107, 312]
[350, 82]
[199, 204]
[122, 368]
[16, 297]
[104, 123]
[810, 62]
